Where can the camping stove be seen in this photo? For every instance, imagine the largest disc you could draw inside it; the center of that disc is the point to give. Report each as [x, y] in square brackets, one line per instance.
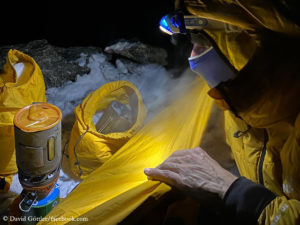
[38, 156]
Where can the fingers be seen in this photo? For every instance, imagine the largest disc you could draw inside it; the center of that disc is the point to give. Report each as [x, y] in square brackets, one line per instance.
[192, 170]
[180, 153]
[186, 156]
[174, 166]
[178, 165]
[165, 176]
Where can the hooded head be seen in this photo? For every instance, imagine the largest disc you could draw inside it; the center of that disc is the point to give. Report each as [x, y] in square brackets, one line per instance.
[261, 44]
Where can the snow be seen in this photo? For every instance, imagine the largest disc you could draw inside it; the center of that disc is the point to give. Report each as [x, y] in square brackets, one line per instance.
[16, 186]
[66, 184]
[19, 67]
[152, 80]
[72, 93]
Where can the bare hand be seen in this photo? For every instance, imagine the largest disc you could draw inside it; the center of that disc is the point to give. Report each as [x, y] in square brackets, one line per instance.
[192, 171]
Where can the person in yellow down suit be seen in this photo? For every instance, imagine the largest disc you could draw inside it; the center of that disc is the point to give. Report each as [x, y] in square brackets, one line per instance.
[252, 64]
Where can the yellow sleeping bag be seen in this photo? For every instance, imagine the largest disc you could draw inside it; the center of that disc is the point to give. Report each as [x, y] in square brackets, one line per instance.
[93, 142]
[114, 190]
[16, 92]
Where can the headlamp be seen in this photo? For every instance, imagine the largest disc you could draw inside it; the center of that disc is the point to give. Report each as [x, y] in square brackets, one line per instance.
[177, 22]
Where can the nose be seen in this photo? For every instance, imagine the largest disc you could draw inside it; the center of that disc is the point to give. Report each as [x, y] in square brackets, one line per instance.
[197, 50]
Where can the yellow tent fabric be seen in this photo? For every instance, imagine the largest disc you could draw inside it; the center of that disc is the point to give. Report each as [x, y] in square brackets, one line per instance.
[16, 93]
[114, 190]
[88, 149]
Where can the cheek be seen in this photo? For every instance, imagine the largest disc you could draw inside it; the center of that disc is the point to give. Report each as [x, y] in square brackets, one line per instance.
[197, 50]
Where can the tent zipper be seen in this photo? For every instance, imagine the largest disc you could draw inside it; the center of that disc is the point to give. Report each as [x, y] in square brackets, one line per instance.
[262, 158]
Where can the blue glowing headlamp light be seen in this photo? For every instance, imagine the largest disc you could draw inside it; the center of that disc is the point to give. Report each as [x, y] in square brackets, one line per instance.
[177, 22]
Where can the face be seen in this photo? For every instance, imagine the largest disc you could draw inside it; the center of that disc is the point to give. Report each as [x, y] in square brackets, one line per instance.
[197, 50]
[200, 43]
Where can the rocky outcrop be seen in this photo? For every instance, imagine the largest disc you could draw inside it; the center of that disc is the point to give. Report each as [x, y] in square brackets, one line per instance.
[60, 65]
[139, 52]
[57, 64]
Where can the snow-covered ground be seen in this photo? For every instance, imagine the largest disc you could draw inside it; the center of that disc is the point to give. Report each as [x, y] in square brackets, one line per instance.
[153, 81]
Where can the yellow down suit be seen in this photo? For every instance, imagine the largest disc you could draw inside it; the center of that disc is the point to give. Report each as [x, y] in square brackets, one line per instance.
[260, 40]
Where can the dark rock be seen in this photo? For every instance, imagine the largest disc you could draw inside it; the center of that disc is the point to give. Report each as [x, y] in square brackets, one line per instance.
[139, 52]
[58, 64]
